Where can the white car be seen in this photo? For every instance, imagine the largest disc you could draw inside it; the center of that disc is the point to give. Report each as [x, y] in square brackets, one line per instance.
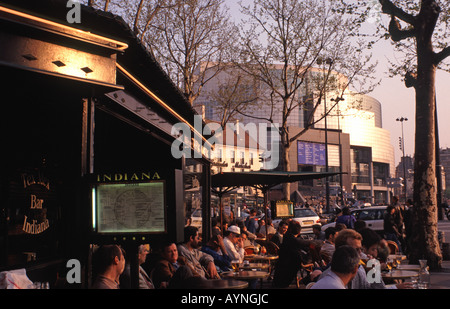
[307, 218]
[196, 219]
[373, 216]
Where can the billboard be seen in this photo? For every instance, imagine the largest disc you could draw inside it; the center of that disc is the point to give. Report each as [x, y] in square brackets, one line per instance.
[310, 153]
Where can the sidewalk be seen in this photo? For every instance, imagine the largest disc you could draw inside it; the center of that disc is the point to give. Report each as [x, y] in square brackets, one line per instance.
[441, 279]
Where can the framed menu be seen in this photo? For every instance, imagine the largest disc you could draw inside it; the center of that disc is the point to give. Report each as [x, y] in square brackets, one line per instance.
[137, 207]
[282, 209]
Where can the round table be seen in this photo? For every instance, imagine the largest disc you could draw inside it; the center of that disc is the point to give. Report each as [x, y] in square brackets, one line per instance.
[250, 266]
[410, 267]
[221, 284]
[399, 257]
[397, 274]
[257, 257]
[246, 274]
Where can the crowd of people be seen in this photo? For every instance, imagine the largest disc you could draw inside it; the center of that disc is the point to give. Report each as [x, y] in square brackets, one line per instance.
[334, 259]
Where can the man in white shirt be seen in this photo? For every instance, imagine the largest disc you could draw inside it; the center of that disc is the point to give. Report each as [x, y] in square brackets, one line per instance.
[344, 267]
[234, 244]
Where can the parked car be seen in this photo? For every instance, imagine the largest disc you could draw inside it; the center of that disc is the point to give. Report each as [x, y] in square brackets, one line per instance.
[307, 218]
[373, 216]
[196, 219]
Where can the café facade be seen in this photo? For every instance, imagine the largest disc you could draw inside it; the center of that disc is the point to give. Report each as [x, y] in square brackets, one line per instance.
[86, 133]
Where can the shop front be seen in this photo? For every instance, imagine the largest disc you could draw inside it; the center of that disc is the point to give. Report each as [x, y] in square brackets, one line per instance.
[86, 140]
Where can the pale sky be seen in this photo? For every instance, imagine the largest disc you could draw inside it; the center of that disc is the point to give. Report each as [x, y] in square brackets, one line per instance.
[397, 100]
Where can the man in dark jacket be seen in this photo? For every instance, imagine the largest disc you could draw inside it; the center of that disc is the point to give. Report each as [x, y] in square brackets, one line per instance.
[390, 227]
[292, 254]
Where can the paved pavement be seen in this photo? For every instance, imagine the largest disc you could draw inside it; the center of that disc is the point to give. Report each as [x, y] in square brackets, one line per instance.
[441, 279]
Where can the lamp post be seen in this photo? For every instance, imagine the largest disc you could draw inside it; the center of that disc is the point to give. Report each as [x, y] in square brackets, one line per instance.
[328, 61]
[402, 119]
[337, 100]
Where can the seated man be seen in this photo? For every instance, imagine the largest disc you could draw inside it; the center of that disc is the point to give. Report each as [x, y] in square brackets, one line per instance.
[171, 270]
[344, 267]
[216, 248]
[327, 249]
[202, 263]
[108, 265]
[234, 244]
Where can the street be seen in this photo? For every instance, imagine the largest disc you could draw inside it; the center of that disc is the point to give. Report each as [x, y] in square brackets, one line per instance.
[444, 226]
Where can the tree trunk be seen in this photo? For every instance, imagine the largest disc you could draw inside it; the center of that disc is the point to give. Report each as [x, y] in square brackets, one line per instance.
[425, 236]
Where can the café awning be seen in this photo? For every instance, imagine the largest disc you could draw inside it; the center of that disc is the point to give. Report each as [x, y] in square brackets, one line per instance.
[263, 179]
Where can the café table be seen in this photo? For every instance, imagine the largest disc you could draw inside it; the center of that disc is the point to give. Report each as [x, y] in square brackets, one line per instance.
[410, 267]
[398, 274]
[267, 258]
[246, 275]
[254, 266]
[216, 284]
[398, 257]
[259, 257]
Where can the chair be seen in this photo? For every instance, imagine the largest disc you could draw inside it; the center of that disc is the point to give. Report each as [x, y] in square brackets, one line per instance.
[393, 247]
[249, 250]
[303, 272]
[271, 247]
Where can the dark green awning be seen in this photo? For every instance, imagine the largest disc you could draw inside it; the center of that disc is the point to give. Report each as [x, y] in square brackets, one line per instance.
[263, 178]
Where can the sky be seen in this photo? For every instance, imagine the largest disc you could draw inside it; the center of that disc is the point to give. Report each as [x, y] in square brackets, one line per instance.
[397, 100]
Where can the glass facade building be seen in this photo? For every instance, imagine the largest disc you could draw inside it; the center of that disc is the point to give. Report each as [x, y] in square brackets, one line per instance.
[358, 115]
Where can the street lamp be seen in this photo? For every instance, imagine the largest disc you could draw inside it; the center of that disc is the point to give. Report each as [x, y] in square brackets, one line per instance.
[337, 100]
[328, 61]
[402, 119]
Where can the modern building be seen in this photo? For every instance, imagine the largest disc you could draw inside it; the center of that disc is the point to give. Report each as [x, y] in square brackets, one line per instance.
[356, 142]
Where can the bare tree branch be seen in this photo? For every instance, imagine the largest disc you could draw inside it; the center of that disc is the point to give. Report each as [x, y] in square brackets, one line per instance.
[397, 34]
[442, 55]
[389, 8]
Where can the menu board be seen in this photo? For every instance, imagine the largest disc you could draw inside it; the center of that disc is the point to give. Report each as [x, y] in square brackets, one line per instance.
[311, 153]
[129, 207]
[282, 209]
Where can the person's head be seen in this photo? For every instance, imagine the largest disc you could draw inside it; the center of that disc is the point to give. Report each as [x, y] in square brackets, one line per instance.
[345, 261]
[294, 228]
[253, 212]
[370, 241]
[244, 235]
[169, 252]
[282, 227]
[390, 210]
[394, 199]
[330, 234]
[360, 224]
[383, 250]
[233, 233]
[142, 253]
[340, 227]
[191, 237]
[348, 237]
[317, 229]
[109, 258]
[346, 211]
